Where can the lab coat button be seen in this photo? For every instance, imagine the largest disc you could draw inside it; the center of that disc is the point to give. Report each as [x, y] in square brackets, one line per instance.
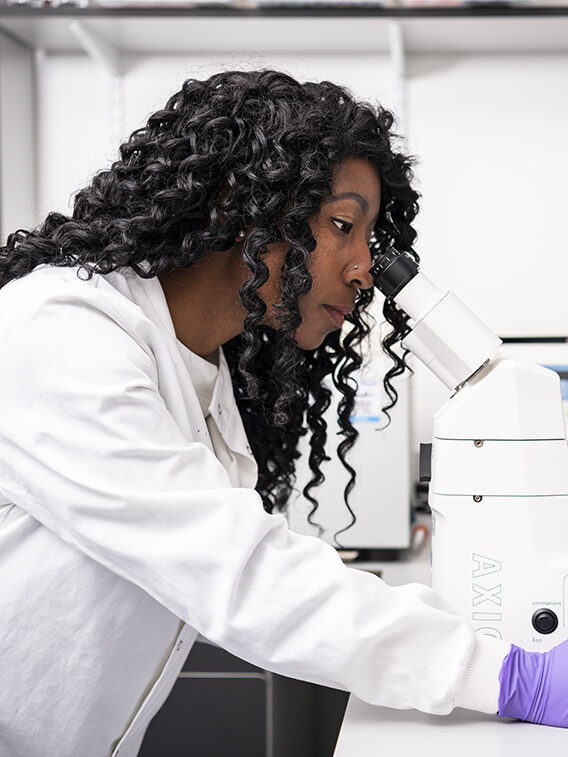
[180, 645]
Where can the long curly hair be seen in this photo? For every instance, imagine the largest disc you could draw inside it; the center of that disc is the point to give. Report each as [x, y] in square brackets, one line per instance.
[246, 150]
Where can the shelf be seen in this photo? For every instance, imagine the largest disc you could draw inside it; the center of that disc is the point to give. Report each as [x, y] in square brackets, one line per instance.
[182, 32]
[318, 9]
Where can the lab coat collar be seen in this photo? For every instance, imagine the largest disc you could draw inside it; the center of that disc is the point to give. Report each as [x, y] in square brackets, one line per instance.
[204, 375]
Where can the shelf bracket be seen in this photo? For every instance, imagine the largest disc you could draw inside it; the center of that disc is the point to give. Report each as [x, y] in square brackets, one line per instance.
[97, 48]
[398, 62]
[105, 55]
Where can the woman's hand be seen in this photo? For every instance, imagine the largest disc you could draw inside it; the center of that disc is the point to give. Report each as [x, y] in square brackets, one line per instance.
[534, 686]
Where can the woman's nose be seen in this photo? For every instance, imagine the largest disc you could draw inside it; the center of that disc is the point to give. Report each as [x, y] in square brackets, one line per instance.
[358, 273]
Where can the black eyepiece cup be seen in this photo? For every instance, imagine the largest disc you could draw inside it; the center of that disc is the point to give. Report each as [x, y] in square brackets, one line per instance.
[393, 271]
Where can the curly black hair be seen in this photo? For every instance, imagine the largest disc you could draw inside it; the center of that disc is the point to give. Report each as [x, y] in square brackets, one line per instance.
[246, 150]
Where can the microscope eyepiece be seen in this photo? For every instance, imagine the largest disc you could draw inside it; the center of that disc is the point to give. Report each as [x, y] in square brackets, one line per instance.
[393, 271]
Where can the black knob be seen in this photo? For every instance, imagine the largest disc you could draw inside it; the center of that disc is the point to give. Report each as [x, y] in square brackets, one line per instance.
[392, 271]
[545, 621]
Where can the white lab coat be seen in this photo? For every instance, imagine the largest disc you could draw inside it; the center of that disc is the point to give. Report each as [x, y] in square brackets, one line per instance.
[129, 523]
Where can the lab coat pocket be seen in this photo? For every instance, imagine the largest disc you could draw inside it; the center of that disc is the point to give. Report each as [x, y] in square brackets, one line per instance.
[130, 742]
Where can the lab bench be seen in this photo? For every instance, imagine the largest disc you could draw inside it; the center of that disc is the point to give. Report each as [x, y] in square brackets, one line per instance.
[378, 731]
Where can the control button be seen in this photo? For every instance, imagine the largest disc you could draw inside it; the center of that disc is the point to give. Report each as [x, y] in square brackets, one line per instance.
[545, 621]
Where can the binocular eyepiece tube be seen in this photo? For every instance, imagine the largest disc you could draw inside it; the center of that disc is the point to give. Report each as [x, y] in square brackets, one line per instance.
[445, 335]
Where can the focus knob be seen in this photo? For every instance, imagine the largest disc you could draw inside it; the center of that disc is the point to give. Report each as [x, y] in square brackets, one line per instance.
[545, 621]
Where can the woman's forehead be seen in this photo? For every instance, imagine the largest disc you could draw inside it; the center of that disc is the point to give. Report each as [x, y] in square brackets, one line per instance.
[357, 176]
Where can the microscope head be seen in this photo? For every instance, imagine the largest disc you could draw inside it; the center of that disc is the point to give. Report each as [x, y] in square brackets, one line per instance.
[445, 335]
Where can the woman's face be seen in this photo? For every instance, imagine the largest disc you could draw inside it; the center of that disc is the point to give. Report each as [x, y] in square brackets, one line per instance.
[340, 263]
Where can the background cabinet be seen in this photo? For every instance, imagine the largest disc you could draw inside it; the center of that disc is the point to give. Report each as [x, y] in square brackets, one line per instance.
[225, 707]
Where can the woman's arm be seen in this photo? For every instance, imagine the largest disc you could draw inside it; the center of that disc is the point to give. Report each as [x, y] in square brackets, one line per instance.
[89, 449]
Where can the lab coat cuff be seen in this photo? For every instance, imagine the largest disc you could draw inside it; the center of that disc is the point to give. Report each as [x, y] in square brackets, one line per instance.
[480, 686]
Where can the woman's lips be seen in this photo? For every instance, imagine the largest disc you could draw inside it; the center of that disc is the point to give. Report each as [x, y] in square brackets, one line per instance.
[337, 315]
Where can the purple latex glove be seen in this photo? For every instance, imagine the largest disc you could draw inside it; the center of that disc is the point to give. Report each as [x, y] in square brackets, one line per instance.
[534, 686]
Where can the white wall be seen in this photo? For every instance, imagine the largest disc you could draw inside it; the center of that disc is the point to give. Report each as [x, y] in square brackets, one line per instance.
[17, 137]
[489, 132]
[74, 127]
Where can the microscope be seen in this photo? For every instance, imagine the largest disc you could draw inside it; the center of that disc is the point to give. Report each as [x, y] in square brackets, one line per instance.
[497, 468]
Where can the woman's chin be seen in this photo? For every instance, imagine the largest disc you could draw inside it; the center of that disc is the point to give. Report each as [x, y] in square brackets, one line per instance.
[308, 342]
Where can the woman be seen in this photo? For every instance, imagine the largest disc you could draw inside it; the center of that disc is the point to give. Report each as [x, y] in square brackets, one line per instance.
[163, 351]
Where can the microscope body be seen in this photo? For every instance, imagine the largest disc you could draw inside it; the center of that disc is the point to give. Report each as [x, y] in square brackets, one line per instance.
[499, 469]
[499, 501]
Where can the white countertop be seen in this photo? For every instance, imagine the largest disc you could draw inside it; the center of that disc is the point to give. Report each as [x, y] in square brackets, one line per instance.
[381, 731]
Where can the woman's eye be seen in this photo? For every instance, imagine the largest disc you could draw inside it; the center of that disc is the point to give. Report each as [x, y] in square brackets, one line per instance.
[343, 226]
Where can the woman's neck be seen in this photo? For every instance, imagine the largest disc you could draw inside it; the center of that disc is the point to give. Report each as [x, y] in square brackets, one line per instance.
[203, 301]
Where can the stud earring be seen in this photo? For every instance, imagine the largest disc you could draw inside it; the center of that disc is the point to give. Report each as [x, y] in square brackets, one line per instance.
[241, 234]
[355, 267]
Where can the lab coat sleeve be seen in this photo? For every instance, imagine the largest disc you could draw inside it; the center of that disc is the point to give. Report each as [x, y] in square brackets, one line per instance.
[89, 449]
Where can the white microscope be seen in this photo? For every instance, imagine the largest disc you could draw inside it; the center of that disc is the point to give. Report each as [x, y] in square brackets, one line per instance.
[499, 469]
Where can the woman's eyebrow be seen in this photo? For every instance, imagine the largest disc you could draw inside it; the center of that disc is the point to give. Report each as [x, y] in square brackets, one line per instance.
[352, 196]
